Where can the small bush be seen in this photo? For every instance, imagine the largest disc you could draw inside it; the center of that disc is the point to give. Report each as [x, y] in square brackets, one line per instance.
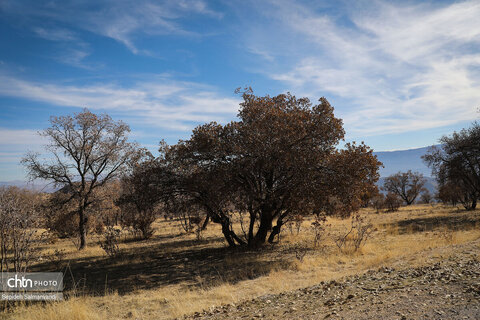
[110, 241]
[352, 239]
[295, 224]
[378, 202]
[319, 227]
[140, 222]
[392, 202]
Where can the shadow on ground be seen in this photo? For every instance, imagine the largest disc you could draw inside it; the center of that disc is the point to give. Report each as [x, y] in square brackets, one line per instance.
[455, 221]
[179, 261]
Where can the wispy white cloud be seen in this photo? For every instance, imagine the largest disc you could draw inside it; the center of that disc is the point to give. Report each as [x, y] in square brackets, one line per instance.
[71, 49]
[55, 34]
[159, 102]
[16, 137]
[14, 143]
[122, 21]
[390, 67]
[125, 21]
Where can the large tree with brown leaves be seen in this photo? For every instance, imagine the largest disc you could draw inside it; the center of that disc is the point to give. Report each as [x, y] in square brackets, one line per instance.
[280, 159]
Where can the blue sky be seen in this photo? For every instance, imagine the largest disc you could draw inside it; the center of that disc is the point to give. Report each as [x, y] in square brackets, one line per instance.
[400, 74]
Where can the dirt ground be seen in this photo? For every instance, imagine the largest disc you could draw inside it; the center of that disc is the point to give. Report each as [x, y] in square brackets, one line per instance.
[444, 288]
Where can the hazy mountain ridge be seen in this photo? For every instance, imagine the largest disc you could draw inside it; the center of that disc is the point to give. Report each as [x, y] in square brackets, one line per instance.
[393, 161]
[36, 186]
[404, 160]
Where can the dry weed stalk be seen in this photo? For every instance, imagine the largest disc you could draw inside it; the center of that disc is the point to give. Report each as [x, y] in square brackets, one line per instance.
[352, 239]
[319, 227]
[110, 241]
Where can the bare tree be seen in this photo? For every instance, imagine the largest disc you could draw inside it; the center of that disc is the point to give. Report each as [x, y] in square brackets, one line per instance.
[406, 185]
[86, 151]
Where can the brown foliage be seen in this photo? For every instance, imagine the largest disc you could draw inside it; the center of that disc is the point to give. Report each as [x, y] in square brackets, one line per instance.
[60, 211]
[456, 165]
[426, 197]
[279, 159]
[378, 202]
[392, 202]
[139, 198]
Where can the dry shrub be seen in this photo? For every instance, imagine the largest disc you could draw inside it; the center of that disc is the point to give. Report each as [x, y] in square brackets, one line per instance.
[139, 222]
[110, 241]
[319, 226]
[294, 224]
[356, 236]
[195, 223]
[392, 202]
[18, 219]
[378, 202]
[300, 250]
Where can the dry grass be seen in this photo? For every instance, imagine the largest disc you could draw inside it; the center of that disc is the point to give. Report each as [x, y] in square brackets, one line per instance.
[172, 274]
[72, 309]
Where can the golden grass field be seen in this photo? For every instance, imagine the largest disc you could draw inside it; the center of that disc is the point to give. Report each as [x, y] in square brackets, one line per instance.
[173, 274]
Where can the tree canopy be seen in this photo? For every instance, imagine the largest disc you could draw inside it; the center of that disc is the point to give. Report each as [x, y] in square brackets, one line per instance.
[279, 159]
[456, 164]
[407, 185]
[85, 152]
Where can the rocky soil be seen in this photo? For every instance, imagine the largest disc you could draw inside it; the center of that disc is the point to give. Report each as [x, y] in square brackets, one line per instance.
[448, 289]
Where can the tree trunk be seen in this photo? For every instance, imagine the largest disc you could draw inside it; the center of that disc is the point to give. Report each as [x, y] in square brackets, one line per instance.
[228, 233]
[205, 223]
[228, 236]
[265, 226]
[250, 227]
[82, 228]
[276, 230]
[471, 205]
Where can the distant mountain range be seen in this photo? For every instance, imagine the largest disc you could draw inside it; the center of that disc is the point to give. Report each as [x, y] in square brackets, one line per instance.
[393, 161]
[37, 186]
[404, 160]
